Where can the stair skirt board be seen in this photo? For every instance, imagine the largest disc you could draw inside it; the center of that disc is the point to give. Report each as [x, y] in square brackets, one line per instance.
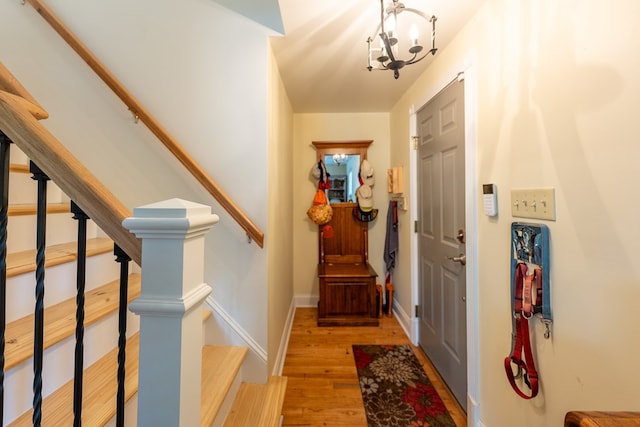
[222, 329]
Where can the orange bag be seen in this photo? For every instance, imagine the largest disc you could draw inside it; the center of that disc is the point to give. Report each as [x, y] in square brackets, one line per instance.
[320, 212]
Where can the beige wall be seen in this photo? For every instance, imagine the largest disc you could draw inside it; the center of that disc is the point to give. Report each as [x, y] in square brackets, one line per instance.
[328, 127]
[279, 234]
[557, 97]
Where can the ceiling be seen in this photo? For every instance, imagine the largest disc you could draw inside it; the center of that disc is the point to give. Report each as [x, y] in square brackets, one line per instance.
[323, 55]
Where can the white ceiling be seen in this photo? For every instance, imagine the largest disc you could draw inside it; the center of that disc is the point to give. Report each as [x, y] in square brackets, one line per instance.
[323, 55]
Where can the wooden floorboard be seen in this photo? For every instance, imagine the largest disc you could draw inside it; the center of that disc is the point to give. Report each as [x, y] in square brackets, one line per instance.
[323, 388]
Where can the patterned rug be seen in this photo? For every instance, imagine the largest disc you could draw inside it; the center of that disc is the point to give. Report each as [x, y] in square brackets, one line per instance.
[395, 389]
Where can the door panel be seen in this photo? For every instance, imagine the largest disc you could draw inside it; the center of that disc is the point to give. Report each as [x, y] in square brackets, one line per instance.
[441, 207]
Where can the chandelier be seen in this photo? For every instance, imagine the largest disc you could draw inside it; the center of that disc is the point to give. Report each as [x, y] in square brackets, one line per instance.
[340, 158]
[385, 55]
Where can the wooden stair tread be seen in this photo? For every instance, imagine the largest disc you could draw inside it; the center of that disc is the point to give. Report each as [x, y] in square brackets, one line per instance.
[60, 321]
[32, 209]
[25, 261]
[220, 366]
[258, 404]
[272, 408]
[99, 392]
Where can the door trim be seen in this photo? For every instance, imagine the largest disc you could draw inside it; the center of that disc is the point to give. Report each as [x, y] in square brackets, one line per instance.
[471, 218]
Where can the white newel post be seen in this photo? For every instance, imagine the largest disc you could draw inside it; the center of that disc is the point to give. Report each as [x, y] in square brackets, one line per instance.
[170, 309]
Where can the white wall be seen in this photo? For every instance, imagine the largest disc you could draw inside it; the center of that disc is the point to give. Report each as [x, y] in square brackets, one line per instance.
[334, 127]
[557, 94]
[210, 94]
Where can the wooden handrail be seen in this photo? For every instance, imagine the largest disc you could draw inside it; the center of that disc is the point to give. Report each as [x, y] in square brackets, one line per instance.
[154, 126]
[75, 180]
[12, 88]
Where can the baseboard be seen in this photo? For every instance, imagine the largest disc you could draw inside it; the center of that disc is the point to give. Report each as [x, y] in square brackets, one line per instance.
[407, 324]
[284, 340]
[306, 300]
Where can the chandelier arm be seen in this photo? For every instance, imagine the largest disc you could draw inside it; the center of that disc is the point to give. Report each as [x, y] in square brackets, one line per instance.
[387, 46]
[417, 12]
[381, 26]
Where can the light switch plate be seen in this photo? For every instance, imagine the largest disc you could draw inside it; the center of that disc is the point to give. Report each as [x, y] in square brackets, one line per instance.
[536, 203]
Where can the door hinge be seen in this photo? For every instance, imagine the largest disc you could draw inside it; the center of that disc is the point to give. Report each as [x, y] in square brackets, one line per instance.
[417, 310]
[415, 226]
[416, 139]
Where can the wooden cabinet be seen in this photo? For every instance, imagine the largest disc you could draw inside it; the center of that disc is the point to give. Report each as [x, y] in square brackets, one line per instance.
[347, 283]
[347, 295]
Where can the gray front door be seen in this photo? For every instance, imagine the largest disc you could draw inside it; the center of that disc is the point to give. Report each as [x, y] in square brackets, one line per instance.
[441, 230]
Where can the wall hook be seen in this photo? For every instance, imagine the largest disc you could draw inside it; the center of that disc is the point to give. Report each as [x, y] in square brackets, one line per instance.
[547, 328]
[136, 118]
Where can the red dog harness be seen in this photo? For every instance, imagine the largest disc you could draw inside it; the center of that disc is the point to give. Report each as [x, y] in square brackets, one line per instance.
[527, 301]
[530, 295]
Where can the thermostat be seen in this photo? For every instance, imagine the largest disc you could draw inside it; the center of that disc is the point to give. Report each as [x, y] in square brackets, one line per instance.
[490, 196]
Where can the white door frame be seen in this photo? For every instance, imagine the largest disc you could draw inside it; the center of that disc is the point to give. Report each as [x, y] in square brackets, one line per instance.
[466, 71]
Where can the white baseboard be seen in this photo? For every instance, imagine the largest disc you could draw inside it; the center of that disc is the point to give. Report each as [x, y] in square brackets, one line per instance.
[284, 340]
[307, 300]
[408, 324]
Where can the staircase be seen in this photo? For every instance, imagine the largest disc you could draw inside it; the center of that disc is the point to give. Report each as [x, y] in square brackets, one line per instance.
[225, 400]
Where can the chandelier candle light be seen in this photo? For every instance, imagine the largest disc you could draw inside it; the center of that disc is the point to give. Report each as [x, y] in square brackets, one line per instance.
[387, 55]
[340, 158]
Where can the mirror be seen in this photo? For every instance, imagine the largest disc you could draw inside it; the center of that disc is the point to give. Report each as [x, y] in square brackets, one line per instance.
[343, 174]
[342, 160]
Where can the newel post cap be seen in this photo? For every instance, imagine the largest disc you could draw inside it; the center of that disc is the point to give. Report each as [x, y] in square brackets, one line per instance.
[172, 218]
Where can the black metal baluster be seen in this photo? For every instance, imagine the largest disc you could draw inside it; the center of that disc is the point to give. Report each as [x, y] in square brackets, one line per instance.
[123, 259]
[38, 332]
[5, 144]
[80, 285]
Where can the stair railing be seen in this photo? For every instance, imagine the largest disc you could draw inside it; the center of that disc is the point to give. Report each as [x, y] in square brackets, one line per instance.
[39, 311]
[142, 114]
[19, 125]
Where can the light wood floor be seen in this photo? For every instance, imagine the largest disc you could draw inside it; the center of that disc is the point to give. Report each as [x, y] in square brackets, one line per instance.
[323, 388]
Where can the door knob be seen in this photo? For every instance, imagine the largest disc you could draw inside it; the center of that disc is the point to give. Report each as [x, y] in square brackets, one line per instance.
[462, 259]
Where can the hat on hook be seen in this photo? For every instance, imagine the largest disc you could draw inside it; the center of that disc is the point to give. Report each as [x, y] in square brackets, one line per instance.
[365, 216]
[365, 198]
[366, 173]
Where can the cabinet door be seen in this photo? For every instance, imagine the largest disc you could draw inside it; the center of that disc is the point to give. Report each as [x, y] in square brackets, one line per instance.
[347, 298]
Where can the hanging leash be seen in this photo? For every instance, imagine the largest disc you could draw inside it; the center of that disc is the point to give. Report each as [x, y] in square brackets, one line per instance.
[523, 309]
[529, 296]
